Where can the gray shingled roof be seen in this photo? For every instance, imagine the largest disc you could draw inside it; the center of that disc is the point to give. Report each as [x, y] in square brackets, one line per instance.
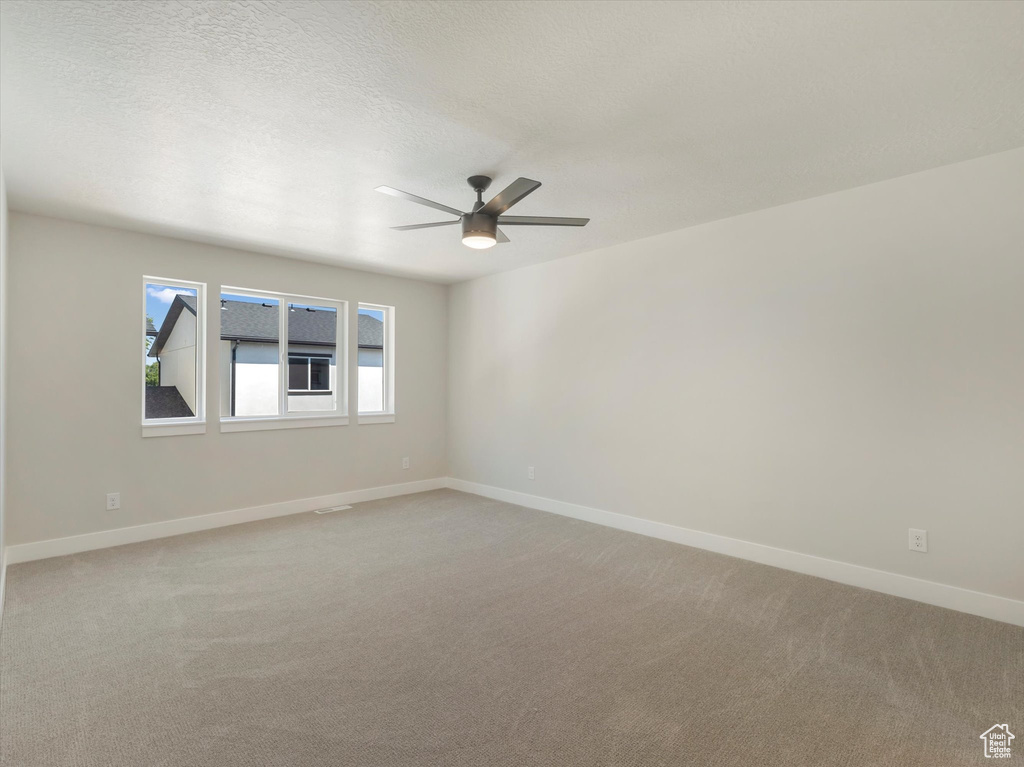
[371, 332]
[166, 402]
[245, 321]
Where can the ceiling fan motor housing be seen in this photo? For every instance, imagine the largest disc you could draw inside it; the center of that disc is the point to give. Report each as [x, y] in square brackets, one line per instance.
[479, 225]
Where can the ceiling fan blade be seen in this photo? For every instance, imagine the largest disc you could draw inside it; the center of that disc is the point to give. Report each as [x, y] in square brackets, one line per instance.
[541, 221]
[422, 226]
[509, 196]
[413, 198]
[501, 237]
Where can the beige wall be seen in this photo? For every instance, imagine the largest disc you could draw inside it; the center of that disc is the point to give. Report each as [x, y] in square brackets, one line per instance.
[3, 378]
[77, 427]
[818, 377]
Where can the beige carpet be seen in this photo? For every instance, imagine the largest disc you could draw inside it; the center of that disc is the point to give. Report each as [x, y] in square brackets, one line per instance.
[446, 629]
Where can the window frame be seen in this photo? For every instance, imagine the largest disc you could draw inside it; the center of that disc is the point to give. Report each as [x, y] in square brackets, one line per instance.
[387, 415]
[169, 427]
[284, 419]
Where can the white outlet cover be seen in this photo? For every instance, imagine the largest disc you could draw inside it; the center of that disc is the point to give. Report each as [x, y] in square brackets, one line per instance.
[918, 540]
[113, 501]
[530, 473]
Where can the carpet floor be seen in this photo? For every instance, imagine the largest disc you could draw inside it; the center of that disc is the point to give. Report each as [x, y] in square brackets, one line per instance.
[447, 629]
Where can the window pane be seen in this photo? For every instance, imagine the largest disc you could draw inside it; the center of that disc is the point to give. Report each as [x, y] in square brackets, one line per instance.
[372, 379]
[298, 373]
[249, 355]
[320, 374]
[170, 349]
[313, 335]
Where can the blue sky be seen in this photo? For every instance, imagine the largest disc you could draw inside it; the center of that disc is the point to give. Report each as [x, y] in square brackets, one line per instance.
[159, 298]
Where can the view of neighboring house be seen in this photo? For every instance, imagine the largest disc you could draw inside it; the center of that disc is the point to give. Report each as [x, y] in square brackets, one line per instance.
[174, 349]
[248, 360]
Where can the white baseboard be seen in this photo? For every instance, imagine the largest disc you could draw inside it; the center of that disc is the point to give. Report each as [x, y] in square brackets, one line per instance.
[56, 547]
[929, 592]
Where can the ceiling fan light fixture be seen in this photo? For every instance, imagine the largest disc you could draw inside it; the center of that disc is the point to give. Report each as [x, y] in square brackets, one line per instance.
[479, 231]
[479, 241]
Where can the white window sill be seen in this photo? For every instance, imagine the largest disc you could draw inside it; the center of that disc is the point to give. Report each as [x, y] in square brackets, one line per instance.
[281, 422]
[377, 418]
[173, 429]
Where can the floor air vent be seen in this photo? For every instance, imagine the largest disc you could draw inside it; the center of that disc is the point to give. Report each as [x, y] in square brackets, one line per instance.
[333, 508]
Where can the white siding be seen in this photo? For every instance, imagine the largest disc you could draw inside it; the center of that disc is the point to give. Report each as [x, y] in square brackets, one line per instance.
[178, 359]
[371, 380]
[256, 379]
[310, 403]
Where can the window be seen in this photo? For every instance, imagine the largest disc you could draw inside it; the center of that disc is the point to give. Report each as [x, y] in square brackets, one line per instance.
[173, 373]
[267, 384]
[308, 374]
[376, 363]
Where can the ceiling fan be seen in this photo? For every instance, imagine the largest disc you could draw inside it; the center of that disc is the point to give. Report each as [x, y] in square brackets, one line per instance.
[480, 226]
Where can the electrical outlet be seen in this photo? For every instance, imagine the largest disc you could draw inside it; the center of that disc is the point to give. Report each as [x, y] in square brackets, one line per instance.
[918, 540]
[113, 501]
[405, 463]
[530, 473]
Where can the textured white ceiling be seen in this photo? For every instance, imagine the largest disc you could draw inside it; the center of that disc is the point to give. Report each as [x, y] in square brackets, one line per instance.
[267, 125]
